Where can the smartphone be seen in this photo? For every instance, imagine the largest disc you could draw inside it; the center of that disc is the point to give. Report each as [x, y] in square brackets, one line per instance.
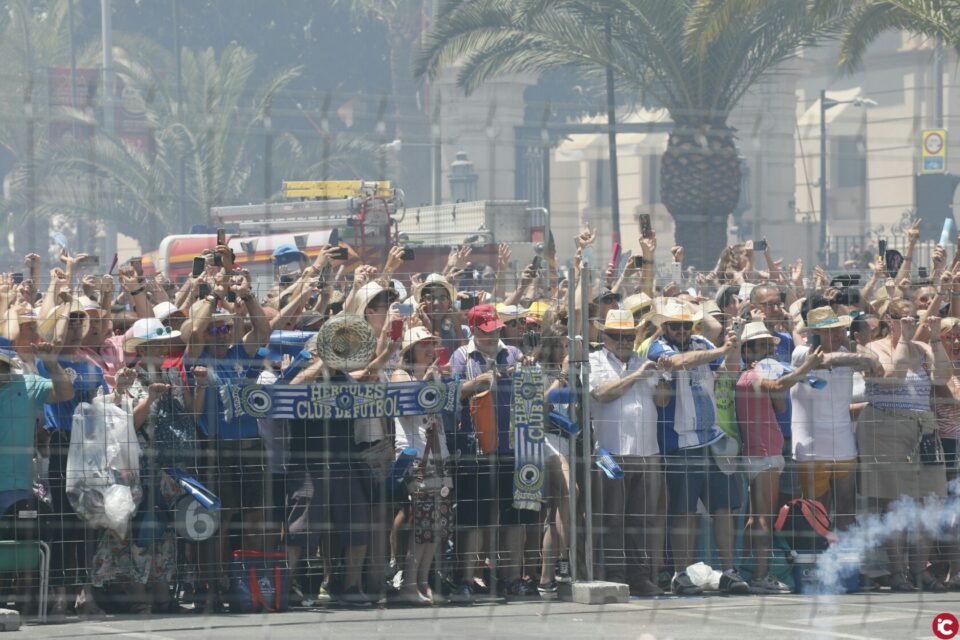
[676, 272]
[813, 340]
[340, 253]
[231, 296]
[405, 310]
[199, 264]
[396, 330]
[637, 262]
[646, 227]
[301, 241]
[882, 248]
[468, 303]
[443, 355]
[407, 255]
[759, 245]
[17, 277]
[221, 237]
[615, 255]
[537, 261]
[136, 263]
[923, 273]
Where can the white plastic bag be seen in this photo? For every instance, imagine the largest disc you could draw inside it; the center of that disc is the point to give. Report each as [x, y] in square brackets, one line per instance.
[704, 576]
[103, 465]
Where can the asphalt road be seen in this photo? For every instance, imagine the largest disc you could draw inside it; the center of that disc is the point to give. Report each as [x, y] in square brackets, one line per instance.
[852, 617]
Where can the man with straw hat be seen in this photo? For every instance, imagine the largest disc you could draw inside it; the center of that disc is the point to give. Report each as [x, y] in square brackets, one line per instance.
[625, 425]
[688, 425]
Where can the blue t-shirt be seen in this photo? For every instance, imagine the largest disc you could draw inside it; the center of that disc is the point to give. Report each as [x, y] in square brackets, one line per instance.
[225, 374]
[88, 382]
[784, 354]
[21, 400]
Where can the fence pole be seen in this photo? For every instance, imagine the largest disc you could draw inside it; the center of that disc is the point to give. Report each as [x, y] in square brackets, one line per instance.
[572, 374]
[586, 427]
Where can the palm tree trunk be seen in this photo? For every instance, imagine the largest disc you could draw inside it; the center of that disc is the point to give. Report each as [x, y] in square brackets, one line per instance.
[700, 186]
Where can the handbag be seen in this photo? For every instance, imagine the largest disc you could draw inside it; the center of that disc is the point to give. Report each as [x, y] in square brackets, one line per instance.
[379, 457]
[430, 491]
[930, 449]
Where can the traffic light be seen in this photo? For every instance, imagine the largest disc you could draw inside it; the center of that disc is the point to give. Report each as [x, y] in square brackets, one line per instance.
[933, 195]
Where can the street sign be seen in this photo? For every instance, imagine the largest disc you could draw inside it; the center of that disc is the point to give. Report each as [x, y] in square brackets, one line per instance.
[933, 151]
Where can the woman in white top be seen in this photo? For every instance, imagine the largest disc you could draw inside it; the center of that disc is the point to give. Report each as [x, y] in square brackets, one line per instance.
[418, 362]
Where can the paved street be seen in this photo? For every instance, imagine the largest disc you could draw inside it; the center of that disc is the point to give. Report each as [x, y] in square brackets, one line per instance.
[903, 617]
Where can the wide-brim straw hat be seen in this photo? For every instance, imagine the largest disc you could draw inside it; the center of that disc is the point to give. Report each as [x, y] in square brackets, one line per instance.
[346, 342]
[617, 320]
[637, 302]
[757, 331]
[674, 310]
[435, 280]
[825, 318]
[414, 335]
[48, 325]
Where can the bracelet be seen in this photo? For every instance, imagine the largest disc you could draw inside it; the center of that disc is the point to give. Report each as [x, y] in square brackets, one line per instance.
[137, 292]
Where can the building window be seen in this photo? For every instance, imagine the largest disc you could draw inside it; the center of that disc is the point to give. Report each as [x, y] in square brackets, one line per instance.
[601, 183]
[651, 191]
[850, 158]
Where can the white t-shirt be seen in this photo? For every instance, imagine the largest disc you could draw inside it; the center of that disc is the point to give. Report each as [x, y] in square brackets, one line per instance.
[626, 426]
[274, 433]
[821, 424]
[411, 431]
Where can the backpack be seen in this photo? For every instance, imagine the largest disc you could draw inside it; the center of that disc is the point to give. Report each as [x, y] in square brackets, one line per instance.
[805, 525]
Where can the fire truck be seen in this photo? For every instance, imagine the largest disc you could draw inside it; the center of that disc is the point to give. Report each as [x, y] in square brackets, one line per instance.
[368, 217]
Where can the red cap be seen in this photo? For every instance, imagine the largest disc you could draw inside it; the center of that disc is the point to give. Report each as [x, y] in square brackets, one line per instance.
[484, 317]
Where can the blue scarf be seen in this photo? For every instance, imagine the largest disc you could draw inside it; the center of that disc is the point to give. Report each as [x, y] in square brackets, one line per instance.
[526, 437]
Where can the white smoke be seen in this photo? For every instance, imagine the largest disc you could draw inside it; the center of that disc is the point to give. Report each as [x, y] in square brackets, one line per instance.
[933, 516]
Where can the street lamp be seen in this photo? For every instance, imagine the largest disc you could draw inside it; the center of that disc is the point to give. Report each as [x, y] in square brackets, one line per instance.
[828, 103]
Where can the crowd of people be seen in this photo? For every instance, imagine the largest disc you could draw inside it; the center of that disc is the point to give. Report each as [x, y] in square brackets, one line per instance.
[716, 396]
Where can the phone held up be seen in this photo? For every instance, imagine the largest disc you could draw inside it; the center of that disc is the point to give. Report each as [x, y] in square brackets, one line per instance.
[199, 264]
[396, 330]
[646, 227]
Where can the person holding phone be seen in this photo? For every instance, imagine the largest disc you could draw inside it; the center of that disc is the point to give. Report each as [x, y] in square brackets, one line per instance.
[435, 297]
[823, 445]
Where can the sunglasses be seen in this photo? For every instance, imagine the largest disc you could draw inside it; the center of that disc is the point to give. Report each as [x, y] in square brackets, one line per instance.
[219, 330]
[678, 326]
[160, 332]
[620, 337]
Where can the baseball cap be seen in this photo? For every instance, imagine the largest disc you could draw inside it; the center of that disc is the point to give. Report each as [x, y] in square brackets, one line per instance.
[484, 317]
[287, 253]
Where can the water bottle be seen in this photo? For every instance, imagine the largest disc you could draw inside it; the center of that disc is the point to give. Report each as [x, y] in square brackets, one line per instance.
[608, 465]
[565, 424]
[300, 362]
[946, 235]
[561, 395]
[401, 465]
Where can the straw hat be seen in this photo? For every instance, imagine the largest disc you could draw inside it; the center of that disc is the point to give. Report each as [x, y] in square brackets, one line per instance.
[825, 318]
[367, 293]
[508, 312]
[164, 310]
[148, 331]
[947, 324]
[48, 325]
[674, 310]
[414, 335]
[637, 302]
[346, 342]
[757, 331]
[435, 280]
[617, 320]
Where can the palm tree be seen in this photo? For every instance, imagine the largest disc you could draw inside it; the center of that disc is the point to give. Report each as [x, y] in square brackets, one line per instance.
[31, 41]
[933, 18]
[695, 58]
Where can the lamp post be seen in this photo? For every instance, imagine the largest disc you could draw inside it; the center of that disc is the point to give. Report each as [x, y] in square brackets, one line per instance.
[829, 103]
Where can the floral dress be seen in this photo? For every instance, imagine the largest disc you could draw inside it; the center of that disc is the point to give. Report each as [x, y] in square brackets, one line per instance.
[145, 555]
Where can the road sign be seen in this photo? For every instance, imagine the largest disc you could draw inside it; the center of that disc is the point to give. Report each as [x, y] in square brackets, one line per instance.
[933, 151]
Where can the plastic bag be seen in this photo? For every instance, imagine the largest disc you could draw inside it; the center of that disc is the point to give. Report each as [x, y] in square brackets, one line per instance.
[704, 576]
[103, 465]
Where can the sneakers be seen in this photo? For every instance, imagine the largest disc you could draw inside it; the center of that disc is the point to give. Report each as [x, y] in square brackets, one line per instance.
[682, 585]
[323, 595]
[548, 591]
[353, 597]
[732, 583]
[463, 594]
[768, 585]
[562, 570]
